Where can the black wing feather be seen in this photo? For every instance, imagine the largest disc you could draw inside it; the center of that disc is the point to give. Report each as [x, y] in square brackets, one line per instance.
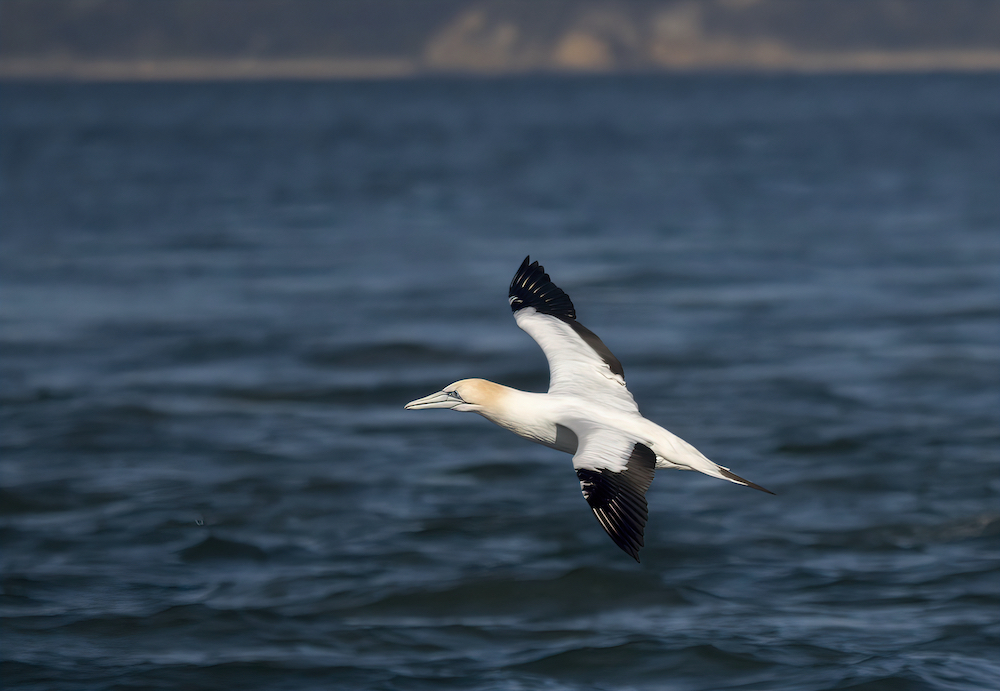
[619, 499]
[532, 287]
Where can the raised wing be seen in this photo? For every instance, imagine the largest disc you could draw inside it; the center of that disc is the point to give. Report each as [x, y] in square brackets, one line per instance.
[579, 362]
[615, 473]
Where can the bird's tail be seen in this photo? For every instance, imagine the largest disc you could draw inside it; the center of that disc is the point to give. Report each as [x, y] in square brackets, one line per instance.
[687, 457]
[733, 477]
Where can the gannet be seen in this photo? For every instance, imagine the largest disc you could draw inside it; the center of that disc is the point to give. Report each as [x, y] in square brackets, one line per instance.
[587, 412]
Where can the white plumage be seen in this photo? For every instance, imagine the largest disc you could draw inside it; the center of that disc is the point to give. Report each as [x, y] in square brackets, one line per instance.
[588, 412]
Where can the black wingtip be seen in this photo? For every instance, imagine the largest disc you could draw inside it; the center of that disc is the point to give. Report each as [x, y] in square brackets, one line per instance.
[532, 287]
[618, 498]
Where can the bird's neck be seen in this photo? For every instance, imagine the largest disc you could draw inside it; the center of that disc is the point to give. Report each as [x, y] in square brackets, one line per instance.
[528, 415]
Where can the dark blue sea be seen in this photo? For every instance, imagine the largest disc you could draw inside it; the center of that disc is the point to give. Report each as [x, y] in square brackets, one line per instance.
[216, 298]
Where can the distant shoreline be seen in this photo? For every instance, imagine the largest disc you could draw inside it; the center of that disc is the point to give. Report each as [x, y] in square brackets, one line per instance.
[203, 69]
[213, 69]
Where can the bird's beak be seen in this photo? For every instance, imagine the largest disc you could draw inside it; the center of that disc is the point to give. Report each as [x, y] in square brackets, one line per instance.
[435, 400]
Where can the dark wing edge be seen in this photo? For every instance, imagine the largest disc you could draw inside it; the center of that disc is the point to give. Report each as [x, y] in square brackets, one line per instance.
[618, 498]
[591, 339]
[532, 287]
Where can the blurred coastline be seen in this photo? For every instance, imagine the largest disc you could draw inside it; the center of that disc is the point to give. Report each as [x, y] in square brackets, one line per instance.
[308, 39]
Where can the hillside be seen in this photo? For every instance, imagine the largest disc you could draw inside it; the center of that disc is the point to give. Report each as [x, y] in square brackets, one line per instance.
[336, 38]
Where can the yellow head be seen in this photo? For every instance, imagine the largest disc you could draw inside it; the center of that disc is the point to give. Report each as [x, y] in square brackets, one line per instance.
[466, 395]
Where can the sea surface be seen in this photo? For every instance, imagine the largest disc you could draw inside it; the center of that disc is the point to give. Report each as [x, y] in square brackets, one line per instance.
[215, 300]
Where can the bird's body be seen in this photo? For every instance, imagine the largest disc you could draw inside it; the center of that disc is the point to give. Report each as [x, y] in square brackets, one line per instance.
[550, 419]
[587, 412]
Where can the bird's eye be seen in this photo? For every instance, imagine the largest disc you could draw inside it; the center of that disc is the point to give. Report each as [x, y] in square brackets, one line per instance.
[456, 395]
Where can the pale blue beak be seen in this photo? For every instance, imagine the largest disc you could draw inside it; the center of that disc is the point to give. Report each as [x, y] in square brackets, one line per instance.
[441, 399]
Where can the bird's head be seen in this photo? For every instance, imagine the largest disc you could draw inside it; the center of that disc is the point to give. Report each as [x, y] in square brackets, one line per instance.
[467, 395]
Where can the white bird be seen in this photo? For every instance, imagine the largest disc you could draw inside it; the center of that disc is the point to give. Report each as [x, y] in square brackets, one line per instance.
[587, 412]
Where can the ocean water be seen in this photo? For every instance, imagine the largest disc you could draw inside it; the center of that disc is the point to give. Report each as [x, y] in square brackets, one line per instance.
[216, 298]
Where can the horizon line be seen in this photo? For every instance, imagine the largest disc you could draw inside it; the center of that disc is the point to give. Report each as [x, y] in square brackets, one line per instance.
[250, 69]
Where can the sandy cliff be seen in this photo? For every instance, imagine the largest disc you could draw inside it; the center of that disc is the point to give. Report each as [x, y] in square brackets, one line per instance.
[218, 39]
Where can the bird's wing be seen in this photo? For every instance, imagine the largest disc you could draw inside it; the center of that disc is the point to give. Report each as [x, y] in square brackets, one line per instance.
[579, 362]
[615, 471]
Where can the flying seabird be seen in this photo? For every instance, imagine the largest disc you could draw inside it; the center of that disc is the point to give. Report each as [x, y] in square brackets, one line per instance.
[587, 412]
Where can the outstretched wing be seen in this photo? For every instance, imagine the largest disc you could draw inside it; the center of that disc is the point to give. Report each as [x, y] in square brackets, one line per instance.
[579, 362]
[615, 473]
